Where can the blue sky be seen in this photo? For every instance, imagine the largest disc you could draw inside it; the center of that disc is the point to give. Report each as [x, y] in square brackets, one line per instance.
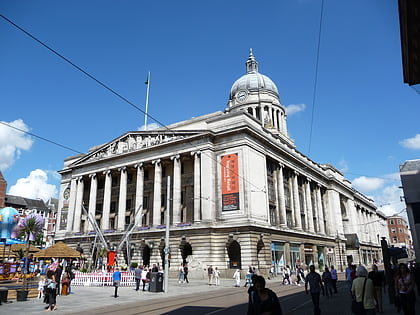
[365, 119]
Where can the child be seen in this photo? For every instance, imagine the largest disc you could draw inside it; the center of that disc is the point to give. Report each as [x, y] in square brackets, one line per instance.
[41, 285]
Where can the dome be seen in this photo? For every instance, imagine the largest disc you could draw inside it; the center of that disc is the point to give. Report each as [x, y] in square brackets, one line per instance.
[253, 80]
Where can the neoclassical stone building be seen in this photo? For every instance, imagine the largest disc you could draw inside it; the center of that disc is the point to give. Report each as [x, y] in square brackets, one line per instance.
[240, 192]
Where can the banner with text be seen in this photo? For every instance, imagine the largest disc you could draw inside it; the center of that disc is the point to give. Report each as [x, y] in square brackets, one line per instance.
[230, 182]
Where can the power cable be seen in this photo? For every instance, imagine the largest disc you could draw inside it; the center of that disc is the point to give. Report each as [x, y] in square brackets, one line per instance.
[316, 78]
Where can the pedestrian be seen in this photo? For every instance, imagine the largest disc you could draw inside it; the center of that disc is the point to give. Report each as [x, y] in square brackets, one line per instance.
[237, 277]
[51, 291]
[327, 280]
[248, 276]
[271, 273]
[186, 273]
[155, 268]
[144, 277]
[286, 275]
[181, 274]
[210, 273]
[137, 276]
[41, 285]
[404, 289]
[116, 278]
[216, 275]
[313, 279]
[378, 279]
[348, 272]
[65, 283]
[262, 300]
[363, 291]
[58, 273]
[334, 278]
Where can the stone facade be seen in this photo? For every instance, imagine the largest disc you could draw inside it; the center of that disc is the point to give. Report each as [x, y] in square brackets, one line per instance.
[240, 193]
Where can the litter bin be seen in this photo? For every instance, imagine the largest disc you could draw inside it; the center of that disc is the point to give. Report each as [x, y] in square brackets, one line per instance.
[3, 294]
[156, 282]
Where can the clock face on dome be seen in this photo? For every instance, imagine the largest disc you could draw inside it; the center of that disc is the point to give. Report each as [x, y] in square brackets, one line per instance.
[241, 96]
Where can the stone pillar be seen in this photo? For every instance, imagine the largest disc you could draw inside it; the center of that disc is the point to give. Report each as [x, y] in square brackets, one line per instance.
[296, 202]
[207, 186]
[79, 203]
[157, 191]
[309, 208]
[122, 200]
[139, 193]
[92, 200]
[320, 210]
[197, 188]
[72, 204]
[176, 195]
[281, 199]
[107, 200]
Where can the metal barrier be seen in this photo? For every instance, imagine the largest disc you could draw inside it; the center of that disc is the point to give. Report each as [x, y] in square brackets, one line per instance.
[102, 279]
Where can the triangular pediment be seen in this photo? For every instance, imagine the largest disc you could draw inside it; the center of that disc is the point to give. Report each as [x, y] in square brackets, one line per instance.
[135, 141]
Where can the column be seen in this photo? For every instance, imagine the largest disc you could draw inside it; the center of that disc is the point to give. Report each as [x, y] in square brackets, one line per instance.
[197, 188]
[176, 195]
[107, 200]
[309, 208]
[79, 204]
[72, 203]
[92, 200]
[296, 202]
[281, 199]
[122, 200]
[157, 191]
[320, 210]
[207, 163]
[139, 194]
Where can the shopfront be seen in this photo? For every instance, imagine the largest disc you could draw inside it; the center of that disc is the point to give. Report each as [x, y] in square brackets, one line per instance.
[321, 258]
[294, 255]
[277, 256]
[309, 254]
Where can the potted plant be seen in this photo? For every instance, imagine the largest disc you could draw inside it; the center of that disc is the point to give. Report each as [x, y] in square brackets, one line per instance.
[27, 229]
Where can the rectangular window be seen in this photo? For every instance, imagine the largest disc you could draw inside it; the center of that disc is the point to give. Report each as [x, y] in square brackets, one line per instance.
[146, 202]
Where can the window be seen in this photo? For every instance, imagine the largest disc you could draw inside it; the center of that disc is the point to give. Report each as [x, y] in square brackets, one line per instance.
[393, 230]
[394, 239]
[401, 230]
[392, 222]
[399, 221]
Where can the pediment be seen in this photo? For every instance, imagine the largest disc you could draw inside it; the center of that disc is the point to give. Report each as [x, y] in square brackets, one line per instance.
[134, 141]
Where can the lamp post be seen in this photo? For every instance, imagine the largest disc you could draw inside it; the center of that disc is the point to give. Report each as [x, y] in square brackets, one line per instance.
[339, 253]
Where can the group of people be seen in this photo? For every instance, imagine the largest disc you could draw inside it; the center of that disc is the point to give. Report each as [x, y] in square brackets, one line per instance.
[214, 274]
[288, 278]
[183, 273]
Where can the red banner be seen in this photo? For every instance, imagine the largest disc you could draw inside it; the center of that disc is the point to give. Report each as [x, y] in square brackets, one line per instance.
[230, 182]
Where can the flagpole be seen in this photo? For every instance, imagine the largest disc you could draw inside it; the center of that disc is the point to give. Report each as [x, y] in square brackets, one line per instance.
[147, 100]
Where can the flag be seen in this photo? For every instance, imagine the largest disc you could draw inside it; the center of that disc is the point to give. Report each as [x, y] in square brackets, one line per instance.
[147, 80]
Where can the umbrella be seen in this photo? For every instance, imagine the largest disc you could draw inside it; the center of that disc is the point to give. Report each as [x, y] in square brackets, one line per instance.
[58, 250]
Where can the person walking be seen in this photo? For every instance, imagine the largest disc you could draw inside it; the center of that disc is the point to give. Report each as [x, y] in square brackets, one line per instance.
[210, 274]
[186, 273]
[181, 274]
[237, 277]
[378, 279]
[262, 300]
[363, 291]
[58, 273]
[348, 272]
[137, 276]
[51, 291]
[116, 278]
[404, 289]
[313, 279]
[334, 278]
[286, 275]
[216, 275]
[327, 280]
[144, 277]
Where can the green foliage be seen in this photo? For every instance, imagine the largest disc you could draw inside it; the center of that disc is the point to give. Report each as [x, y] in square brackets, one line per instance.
[134, 265]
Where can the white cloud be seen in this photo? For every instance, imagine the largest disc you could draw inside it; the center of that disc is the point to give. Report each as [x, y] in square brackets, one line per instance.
[12, 142]
[368, 184]
[412, 143]
[34, 186]
[388, 200]
[149, 127]
[343, 166]
[295, 108]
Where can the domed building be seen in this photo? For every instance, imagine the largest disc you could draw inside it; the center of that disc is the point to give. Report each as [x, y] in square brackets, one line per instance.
[237, 190]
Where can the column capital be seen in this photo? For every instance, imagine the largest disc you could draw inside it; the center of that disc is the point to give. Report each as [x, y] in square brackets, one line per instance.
[107, 172]
[281, 165]
[92, 175]
[122, 169]
[295, 173]
[157, 161]
[79, 178]
[175, 157]
[196, 153]
[138, 165]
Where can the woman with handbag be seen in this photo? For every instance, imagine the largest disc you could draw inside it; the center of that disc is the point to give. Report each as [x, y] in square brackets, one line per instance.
[404, 289]
[363, 293]
[65, 284]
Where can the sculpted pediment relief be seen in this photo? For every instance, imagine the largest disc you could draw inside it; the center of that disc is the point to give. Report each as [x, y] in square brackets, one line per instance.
[132, 142]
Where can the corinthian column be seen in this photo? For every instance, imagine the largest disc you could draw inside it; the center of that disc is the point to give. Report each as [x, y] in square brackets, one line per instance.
[281, 199]
[78, 208]
[320, 210]
[92, 200]
[122, 200]
[157, 191]
[72, 204]
[296, 202]
[139, 193]
[107, 200]
[309, 208]
[176, 196]
[197, 188]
